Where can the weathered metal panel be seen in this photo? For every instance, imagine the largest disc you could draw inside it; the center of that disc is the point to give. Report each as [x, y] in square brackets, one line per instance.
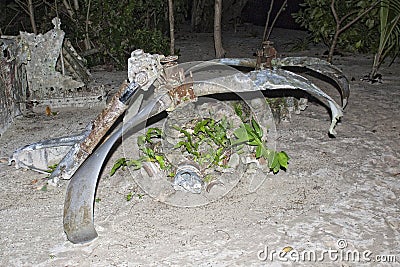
[12, 83]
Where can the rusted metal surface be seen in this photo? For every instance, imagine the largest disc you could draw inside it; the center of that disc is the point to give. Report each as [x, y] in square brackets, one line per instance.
[104, 121]
[100, 126]
[266, 55]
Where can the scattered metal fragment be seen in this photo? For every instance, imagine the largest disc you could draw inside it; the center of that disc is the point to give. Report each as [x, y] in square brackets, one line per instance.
[42, 70]
[188, 178]
[40, 155]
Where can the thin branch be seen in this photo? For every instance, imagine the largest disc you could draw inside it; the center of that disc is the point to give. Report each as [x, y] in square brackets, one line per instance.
[348, 15]
[87, 39]
[56, 9]
[32, 16]
[23, 6]
[339, 21]
[171, 26]
[275, 19]
[271, 5]
[359, 16]
[69, 9]
[9, 23]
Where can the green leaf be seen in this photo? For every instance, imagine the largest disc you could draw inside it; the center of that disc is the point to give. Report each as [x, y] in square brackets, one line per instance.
[283, 159]
[161, 162]
[238, 110]
[200, 126]
[257, 128]
[129, 196]
[118, 164]
[149, 152]
[258, 152]
[153, 133]
[359, 44]
[141, 140]
[254, 142]
[137, 164]
[179, 144]
[249, 129]
[241, 135]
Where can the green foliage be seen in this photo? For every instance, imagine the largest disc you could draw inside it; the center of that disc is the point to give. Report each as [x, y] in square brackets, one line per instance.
[316, 17]
[389, 41]
[120, 27]
[116, 28]
[300, 44]
[207, 143]
[147, 144]
[130, 195]
[252, 134]
[52, 168]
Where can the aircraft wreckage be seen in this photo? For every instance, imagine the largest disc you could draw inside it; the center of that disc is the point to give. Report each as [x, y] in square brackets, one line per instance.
[157, 85]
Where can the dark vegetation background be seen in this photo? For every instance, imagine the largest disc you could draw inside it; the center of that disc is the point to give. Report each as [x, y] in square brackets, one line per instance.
[106, 32]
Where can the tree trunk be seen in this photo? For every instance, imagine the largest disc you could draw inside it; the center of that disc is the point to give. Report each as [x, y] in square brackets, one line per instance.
[375, 65]
[267, 21]
[197, 14]
[171, 26]
[193, 15]
[219, 50]
[334, 43]
[32, 16]
[87, 38]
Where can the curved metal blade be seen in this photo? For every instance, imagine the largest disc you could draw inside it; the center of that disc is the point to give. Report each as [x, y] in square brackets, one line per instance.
[79, 199]
[321, 67]
[317, 66]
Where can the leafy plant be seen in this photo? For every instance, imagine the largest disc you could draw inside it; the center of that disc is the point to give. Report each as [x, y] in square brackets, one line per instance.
[241, 111]
[207, 142]
[211, 133]
[347, 25]
[252, 134]
[147, 145]
[129, 196]
[52, 168]
[123, 162]
[300, 44]
[389, 41]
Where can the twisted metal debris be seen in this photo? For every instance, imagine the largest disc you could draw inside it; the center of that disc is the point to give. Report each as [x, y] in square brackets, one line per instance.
[170, 88]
